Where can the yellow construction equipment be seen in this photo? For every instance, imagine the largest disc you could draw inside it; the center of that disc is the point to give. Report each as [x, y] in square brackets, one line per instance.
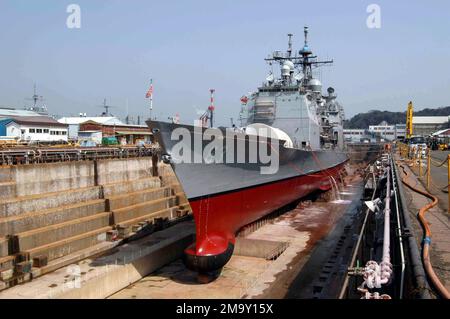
[409, 120]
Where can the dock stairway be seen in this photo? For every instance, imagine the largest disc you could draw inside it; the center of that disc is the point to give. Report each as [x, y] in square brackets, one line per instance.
[47, 228]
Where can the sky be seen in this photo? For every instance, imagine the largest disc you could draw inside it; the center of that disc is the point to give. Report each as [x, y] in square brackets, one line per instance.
[188, 47]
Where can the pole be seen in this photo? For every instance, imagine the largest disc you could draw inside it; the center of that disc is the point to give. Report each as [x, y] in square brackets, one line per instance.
[211, 108]
[420, 162]
[448, 181]
[151, 99]
[428, 168]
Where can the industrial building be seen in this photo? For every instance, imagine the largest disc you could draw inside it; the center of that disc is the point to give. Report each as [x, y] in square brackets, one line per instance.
[354, 135]
[29, 126]
[74, 123]
[422, 125]
[125, 133]
[427, 125]
[94, 129]
[384, 130]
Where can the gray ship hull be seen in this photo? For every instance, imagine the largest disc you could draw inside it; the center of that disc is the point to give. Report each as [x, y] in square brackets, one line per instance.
[227, 195]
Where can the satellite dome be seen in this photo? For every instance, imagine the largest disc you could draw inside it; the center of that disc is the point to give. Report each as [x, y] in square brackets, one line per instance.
[315, 85]
[285, 70]
[290, 64]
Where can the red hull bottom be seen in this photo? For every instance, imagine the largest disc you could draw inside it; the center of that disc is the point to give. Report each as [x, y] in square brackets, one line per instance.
[219, 217]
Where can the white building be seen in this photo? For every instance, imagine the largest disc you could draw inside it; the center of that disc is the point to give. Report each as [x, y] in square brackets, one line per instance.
[383, 130]
[33, 129]
[354, 135]
[74, 123]
[400, 131]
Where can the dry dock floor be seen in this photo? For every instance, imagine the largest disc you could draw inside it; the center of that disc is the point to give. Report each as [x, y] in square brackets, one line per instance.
[303, 228]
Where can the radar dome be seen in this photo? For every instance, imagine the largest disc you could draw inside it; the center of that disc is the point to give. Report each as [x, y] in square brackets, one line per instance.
[285, 70]
[290, 64]
[315, 85]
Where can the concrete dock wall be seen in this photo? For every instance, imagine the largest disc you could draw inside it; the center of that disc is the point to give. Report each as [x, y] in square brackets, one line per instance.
[124, 187]
[33, 179]
[120, 201]
[46, 235]
[114, 170]
[65, 247]
[43, 218]
[132, 212]
[52, 177]
[54, 210]
[3, 247]
[5, 174]
[27, 204]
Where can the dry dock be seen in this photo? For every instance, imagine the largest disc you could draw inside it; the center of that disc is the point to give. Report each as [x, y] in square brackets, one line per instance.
[307, 237]
[117, 228]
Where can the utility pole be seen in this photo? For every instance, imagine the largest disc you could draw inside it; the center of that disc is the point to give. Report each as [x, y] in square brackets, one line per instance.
[149, 94]
[211, 108]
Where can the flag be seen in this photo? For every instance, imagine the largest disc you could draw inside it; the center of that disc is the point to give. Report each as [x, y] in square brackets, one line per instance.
[150, 91]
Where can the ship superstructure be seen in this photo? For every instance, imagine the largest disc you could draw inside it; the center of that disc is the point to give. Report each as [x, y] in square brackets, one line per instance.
[293, 101]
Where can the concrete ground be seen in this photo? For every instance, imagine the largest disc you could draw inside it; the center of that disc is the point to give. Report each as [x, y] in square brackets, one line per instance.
[251, 277]
[102, 276]
[437, 217]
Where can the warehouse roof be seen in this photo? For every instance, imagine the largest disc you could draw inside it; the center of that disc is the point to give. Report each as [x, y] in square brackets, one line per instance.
[33, 120]
[6, 112]
[430, 119]
[106, 120]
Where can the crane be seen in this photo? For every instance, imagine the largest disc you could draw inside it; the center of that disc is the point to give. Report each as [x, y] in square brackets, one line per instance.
[409, 120]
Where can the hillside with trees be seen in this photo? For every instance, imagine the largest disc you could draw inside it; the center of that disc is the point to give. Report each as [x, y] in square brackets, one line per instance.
[375, 117]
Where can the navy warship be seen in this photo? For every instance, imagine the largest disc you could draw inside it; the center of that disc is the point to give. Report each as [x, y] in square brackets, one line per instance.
[226, 178]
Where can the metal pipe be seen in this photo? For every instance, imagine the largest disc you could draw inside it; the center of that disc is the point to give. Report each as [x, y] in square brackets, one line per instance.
[378, 274]
[386, 267]
[399, 231]
[358, 243]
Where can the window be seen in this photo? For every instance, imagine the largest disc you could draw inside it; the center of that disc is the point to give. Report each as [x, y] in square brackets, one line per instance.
[38, 130]
[22, 131]
[32, 130]
[64, 132]
[46, 130]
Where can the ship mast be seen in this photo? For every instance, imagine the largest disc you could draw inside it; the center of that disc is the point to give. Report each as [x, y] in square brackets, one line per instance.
[307, 60]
